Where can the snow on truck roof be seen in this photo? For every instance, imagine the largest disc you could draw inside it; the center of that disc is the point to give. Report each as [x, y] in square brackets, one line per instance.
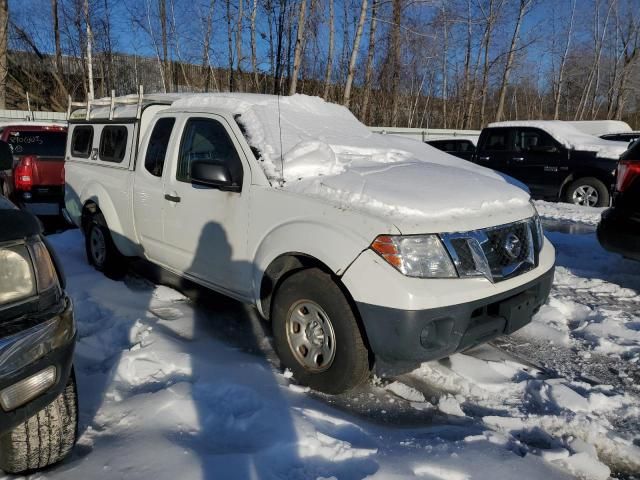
[601, 127]
[321, 149]
[571, 137]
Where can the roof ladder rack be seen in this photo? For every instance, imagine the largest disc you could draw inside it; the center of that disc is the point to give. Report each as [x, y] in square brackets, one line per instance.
[112, 102]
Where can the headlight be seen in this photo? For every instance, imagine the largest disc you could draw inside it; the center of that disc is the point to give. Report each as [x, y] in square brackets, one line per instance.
[17, 278]
[26, 269]
[539, 231]
[421, 256]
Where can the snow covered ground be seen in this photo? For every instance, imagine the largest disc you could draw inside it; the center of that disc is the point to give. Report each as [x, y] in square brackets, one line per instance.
[175, 388]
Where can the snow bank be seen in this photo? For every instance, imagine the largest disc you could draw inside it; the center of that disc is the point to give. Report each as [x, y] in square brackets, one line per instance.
[172, 390]
[321, 149]
[572, 138]
[569, 212]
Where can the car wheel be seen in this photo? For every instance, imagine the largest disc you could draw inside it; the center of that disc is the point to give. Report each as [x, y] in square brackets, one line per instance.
[317, 334]
[101, 251]
[45, 438]
[588, 192]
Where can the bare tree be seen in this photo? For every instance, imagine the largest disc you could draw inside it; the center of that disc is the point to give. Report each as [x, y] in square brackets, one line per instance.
[327, 75]
[368, 71]
[563, 63]
[4, 66]
[522, 11]
[162, 12]
[239, 42]
[394, 63]
[56, 34]
[299, 46]
[206, 64]
[254, 46]
[231, 83]
[90, 92]
[354, 54]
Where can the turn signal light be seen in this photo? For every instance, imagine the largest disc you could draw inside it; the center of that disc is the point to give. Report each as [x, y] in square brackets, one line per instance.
[387, 249]
[26, 390]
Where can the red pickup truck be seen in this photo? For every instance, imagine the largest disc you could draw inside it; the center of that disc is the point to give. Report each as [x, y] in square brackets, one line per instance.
[36, 181]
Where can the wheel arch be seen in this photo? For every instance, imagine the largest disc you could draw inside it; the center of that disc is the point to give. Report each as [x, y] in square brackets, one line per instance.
[100, 202]
[605, 178]
[297, 245]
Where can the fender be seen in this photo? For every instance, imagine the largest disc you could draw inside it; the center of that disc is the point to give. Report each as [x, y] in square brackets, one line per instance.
[102, 199]
[333, 245]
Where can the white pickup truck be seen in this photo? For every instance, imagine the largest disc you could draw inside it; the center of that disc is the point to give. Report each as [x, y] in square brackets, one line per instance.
[355, 245]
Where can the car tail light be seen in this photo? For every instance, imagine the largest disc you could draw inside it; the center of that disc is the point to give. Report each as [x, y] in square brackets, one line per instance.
[627, 171]
[23, 174]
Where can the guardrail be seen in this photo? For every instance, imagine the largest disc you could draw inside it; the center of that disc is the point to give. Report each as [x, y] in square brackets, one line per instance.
[31, 115]
[424, 134]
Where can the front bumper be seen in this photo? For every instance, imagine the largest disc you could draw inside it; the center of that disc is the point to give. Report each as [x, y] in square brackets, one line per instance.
[423, 335]
[619, 232]
[23, 354]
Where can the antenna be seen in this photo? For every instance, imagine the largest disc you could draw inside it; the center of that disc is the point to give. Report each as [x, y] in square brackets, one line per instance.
[281, 152]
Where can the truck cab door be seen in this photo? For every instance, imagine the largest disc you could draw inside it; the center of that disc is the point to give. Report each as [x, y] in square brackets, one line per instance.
[537, 161]
[148, 189]
[495, 148]
[205, 227]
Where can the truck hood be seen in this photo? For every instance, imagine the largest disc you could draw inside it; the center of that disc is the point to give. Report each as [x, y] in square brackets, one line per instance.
[308, 146]
[424, 197]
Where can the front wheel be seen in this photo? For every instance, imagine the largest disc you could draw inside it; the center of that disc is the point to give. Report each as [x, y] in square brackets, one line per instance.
[588, 192]
[45, 438]
[317, 334]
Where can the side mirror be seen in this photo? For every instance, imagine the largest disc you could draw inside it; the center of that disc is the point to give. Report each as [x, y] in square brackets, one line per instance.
[6, 156]
[215, 175]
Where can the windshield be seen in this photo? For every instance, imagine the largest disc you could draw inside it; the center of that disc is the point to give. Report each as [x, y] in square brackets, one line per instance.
[43, 144]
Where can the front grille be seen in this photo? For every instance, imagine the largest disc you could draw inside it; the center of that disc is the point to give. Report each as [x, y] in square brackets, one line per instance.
[497, 253]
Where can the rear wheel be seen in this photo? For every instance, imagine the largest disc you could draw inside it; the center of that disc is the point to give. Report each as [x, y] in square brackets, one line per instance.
[317, 334]
[44, 439]
[588, 192]
[101, 251]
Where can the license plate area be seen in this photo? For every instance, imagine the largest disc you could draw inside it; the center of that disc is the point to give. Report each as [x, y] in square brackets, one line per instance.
[517, 311]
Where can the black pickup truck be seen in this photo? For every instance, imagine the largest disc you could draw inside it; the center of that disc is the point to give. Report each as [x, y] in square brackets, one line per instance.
[38, 403]
[556, 161]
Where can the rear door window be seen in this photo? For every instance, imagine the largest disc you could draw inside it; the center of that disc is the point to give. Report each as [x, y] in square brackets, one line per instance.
[82, 141]
[113, 143]
[43, 144]
[158, 144]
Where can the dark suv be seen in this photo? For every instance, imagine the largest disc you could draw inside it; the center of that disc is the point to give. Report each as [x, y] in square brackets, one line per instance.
[619, 228]
[550, 169]
[38, 403]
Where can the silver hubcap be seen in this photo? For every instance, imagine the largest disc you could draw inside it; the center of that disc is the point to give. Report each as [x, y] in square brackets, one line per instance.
[98, 246]
[586, 195]
[310, 335]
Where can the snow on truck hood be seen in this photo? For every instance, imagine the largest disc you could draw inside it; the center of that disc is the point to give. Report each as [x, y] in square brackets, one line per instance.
[326, 152]
[571, 137]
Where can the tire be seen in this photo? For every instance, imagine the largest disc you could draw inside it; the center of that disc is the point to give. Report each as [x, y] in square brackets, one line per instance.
[587, 191]
[313, 296]
[101, 251]
[44, 439]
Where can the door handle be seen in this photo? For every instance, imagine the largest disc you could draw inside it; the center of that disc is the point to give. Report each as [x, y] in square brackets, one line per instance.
[172, 198]
[484, 158]
[518, 159]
